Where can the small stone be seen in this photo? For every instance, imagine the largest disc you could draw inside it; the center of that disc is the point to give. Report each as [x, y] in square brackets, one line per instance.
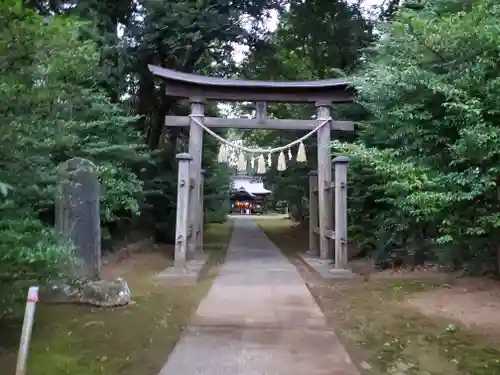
[102, 293]
[106, 293]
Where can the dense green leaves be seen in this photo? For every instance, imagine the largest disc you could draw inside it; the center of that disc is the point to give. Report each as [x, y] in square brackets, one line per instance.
[52, 110]
[433, 140]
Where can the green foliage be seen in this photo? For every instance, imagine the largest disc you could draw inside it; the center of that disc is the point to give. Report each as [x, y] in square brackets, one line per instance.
[30, 254]
[430, 151]
[52, 111]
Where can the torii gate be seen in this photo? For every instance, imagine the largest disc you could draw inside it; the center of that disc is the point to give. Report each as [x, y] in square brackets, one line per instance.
[198, 89]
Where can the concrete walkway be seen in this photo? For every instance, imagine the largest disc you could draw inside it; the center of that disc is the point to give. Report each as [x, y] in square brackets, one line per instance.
[258, 319]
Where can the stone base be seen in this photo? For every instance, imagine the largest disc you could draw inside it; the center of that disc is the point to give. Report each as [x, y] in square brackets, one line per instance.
[340, 274]
[187, 276]
[324, 267]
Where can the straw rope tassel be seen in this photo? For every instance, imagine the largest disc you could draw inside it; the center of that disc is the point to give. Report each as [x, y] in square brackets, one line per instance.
[223, 153]
[242, 163]
[301, 154]
[281, 162]
[261, 165]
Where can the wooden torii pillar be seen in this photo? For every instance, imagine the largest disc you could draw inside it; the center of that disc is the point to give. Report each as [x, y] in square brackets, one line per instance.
[199, 89]
[195, 175]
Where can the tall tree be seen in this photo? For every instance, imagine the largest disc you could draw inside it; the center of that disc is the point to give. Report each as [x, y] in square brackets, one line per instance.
[105, 16]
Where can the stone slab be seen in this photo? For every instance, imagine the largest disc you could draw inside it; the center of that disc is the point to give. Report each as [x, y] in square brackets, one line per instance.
[187, 276]
[258, 318]
[324, 267]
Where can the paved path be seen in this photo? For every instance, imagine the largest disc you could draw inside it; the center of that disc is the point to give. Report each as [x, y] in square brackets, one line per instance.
[258, 319]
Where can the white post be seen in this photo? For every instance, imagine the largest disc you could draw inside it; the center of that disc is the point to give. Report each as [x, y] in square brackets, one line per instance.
[340, 163]
[181, 221]
[29, 316]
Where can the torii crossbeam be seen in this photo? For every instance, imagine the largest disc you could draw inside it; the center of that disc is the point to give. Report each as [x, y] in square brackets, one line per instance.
[185, 85]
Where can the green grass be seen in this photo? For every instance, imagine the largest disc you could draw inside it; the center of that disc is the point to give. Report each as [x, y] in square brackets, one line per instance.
[377, 327]
[371, 317]
[132, 340]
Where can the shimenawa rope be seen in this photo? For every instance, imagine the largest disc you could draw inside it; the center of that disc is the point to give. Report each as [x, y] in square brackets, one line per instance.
[261, 168]
[323, 122]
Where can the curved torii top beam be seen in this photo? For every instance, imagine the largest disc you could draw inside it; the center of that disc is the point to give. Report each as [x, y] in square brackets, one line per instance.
[185, 85]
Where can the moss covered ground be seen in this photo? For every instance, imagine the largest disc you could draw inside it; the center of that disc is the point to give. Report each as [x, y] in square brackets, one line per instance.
[131, 340]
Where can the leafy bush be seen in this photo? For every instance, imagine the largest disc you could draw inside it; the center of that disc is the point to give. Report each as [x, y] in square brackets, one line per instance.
[50, 111]
[426, 168]
[30, 254]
